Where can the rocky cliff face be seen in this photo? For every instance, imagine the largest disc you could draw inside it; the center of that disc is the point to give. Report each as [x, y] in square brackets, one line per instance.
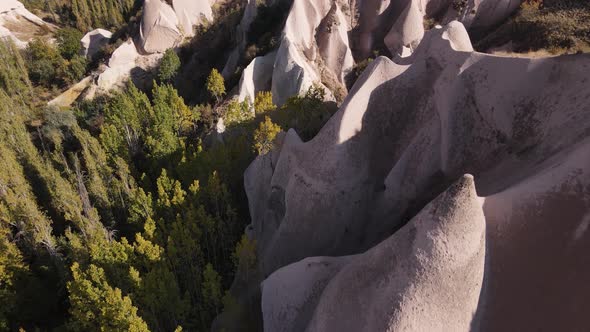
[20, 25]
[321, 38]
[163, 26]
[382, 186]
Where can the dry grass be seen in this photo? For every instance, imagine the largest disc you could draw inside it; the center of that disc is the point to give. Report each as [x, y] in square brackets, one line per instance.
[557, 26]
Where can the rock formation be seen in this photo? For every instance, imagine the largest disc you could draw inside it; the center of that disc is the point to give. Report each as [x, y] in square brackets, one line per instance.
[93, 41]
[163, 26]
[425, 277]
[321, 36]
[407, 131]
[159, 29]
[314, 38]
[242, 29]
[126, 63]
[68, 97]
[191, 13]
[20, 25]
[256, 77]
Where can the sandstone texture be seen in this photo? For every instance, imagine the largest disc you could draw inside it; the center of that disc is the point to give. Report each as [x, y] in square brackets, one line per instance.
[322, 38]
[93, 41]
[424, 247]
[20, 25]
[256, 77]
[164, 26]
[426, 277]
[127, 63]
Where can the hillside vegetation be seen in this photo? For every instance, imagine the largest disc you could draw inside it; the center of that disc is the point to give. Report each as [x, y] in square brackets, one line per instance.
[114, 213]
[128, 211]
[558, 26]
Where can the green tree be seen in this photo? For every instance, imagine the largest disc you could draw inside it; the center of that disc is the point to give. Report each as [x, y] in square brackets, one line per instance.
[307, 114]
[127, 116]
[211, 290]
[215, 85]
[265, 135]
[172, 120]
[11, 266]
[76, 69]
[263, 102]
[169, 66]
[96, 306]
[245, 253]
[68, 42]
[14, 78]
[237, 112]
[45, 64]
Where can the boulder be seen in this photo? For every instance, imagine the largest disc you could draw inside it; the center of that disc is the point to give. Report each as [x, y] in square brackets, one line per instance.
[68, 97]
[127, 63]
[93, 41]
[159, 29]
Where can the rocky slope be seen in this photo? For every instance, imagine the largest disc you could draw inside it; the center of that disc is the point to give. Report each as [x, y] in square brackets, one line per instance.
[163, 26]
[321, 38]
[20, 25]
[408, 130]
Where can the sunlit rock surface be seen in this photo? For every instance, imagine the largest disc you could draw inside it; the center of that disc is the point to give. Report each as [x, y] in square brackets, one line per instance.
[406, 134]
[20, 26]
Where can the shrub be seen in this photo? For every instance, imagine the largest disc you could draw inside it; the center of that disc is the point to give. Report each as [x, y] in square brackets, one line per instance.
[168, 66]
[237, 112]
[43, 62]
[556, 26]
[68, 42]
[306, 114]
[263, 102]
[265, 135]
[215, 84]
[76, 69]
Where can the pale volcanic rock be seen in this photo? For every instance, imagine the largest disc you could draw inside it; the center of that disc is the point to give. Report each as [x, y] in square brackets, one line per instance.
[191, 13]
[491, 12]
[399, 24]
[304, 51]
[426, 277]
[93, 41]
[242, 29]
[121, 63]
[290, 294]
[256, 77]
[408, 30]
[164, 26]
[20, 25]
[126, 63]
[406, 132]
[316, 48]
[159, 29]
[68, 97]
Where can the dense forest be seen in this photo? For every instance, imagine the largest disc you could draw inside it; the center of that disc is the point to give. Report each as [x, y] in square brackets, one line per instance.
[86, 14]
[126, 212]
